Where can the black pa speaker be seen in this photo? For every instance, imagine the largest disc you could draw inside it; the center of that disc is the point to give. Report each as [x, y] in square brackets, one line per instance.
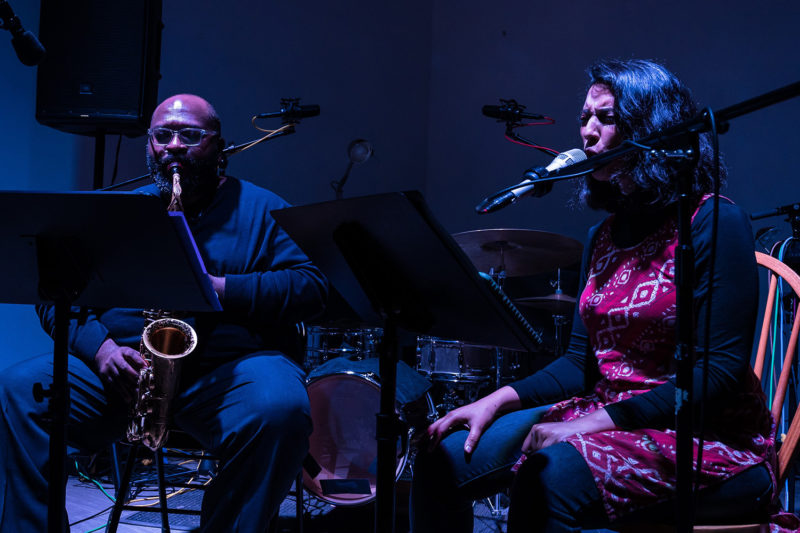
[101, 71]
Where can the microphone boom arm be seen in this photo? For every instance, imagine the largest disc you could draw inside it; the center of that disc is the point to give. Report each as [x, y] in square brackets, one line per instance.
[678, 134]
[230, 150]
[665, 141]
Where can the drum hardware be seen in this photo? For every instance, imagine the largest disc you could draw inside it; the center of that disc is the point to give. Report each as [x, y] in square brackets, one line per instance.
[499, 276]
[559, 321]
[449, 401]
[497, 504]
[498, 368]
[555, 304]
[453, 395]
[559, 305]
[518, 252]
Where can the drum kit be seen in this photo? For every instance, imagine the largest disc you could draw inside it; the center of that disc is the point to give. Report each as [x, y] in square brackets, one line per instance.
[344, 402]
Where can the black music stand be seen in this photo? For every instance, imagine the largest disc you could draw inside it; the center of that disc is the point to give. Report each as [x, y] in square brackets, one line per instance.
[98, 250]
[398, 268]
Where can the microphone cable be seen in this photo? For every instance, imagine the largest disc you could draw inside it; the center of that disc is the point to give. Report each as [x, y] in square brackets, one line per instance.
[516, 138]
[291, 112]
[286, 129]
[511, 112]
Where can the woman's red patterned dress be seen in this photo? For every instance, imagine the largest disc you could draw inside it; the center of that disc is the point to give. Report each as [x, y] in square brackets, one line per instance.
[629, 309]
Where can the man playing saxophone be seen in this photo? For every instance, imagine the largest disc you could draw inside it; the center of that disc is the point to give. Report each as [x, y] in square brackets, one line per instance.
[239, 395]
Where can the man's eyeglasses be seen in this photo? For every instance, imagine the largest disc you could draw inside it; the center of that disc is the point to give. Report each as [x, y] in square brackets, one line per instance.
[187, 136]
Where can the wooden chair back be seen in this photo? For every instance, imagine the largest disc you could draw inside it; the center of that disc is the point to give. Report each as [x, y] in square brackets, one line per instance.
[789, 448]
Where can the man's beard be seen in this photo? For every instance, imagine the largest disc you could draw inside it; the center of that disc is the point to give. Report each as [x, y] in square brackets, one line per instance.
[199, 178]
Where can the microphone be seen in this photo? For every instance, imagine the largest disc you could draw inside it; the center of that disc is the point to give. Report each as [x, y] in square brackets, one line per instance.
[28, 48]
[510, 111]
[528, 186]
[293, 112]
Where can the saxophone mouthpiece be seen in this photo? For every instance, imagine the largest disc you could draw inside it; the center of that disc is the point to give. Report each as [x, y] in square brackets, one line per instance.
[175, 203]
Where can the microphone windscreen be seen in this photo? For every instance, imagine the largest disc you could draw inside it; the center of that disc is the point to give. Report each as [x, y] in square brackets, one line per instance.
[576, 155]
[303, 111]
[492, 111]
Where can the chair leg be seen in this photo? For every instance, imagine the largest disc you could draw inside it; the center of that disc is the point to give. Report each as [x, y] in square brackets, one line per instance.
[162, 492]
[122, 492]
[116, 475]
[298, 509]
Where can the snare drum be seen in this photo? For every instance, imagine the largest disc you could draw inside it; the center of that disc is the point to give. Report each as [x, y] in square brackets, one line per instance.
[461, 362]
[343, 451]
[324, 344]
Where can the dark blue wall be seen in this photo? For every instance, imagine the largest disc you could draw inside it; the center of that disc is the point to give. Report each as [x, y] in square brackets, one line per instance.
[411, 77]
[33, 158]
[537, 53]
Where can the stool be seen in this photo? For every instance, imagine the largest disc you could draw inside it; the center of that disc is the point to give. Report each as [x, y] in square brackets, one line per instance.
[123, 486]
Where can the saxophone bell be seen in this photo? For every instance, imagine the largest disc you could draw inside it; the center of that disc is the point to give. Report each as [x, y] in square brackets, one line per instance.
[165, 342]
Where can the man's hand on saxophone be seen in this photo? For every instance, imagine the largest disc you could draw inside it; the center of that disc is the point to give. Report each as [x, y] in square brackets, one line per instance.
[118, 367]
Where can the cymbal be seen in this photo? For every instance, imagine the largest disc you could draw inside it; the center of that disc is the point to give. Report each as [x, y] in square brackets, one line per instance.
[556, 304]
[519, 252]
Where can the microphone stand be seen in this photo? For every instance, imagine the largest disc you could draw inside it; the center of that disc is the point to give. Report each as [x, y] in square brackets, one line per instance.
[670, 136]
[358, 152]
[664, 141]
[338, 185]
[229, 151]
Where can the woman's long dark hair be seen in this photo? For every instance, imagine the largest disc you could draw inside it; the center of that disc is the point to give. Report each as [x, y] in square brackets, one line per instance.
[647, 97]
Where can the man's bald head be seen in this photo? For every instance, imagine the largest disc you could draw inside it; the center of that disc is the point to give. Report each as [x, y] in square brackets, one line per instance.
[198, 162]
[187, 108]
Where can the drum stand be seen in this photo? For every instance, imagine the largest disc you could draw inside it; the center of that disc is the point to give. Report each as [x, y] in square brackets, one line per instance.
[496, 507]
[558, 334]
[500, 278]
[559, 320]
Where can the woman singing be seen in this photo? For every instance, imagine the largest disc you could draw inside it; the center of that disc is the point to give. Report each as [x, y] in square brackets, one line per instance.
[590, 439]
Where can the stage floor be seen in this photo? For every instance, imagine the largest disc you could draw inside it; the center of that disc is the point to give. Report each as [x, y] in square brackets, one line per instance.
[89, 508]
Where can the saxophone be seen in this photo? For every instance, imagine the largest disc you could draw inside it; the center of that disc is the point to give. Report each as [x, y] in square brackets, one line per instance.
[165, 342]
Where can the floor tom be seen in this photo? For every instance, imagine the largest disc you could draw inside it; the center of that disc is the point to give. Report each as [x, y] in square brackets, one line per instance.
[343, 450]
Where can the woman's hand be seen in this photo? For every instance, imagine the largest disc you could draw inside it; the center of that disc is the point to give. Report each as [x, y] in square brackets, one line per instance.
[549, 433]
[475, 417]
